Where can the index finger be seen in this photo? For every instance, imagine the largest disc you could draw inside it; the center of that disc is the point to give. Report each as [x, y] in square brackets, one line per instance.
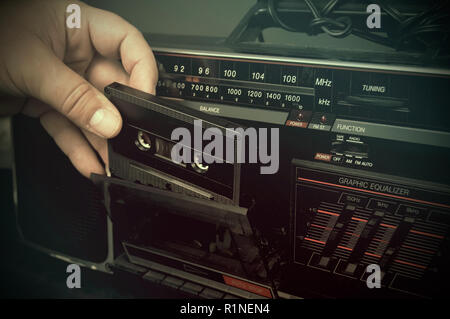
[113, 37]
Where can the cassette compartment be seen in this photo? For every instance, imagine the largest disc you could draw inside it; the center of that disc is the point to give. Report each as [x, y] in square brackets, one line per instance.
[191, 234]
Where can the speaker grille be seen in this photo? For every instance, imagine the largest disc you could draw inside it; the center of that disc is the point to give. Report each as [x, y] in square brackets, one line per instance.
[58, 208]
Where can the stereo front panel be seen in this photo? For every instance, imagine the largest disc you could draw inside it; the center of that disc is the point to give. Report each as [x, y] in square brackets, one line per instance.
[307, 95]
[342, 223]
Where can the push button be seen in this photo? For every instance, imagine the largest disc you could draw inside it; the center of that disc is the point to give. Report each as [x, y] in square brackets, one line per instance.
[172, 282]
[298, 118]
[321, 121]
[208, 293]
[154, 276]
[324, 261]
[191, 288]
[350, 269]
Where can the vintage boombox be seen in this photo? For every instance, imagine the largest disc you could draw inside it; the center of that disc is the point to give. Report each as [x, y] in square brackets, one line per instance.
[363, 179]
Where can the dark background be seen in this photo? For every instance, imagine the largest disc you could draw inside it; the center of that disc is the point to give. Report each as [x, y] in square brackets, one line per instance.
[26, 273]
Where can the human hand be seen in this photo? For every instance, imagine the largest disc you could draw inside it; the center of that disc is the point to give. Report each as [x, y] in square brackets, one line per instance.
[65, 70]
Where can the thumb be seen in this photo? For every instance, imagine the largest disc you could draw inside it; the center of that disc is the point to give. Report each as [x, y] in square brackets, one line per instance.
[54, 83]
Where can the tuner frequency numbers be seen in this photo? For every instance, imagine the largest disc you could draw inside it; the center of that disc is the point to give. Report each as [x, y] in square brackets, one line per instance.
[242, 93]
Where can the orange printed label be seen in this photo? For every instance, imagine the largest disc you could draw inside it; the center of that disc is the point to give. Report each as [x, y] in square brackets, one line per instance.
[323, 157]
[244, 285]
[296, 123]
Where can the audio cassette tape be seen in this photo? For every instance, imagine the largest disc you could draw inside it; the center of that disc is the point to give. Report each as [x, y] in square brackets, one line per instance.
[143, 150]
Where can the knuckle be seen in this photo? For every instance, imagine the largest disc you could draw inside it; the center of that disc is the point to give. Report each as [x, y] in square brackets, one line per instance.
[134, 32]
[76, 103]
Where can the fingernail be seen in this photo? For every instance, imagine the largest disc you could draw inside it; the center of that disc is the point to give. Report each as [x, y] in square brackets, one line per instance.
[104, 122]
